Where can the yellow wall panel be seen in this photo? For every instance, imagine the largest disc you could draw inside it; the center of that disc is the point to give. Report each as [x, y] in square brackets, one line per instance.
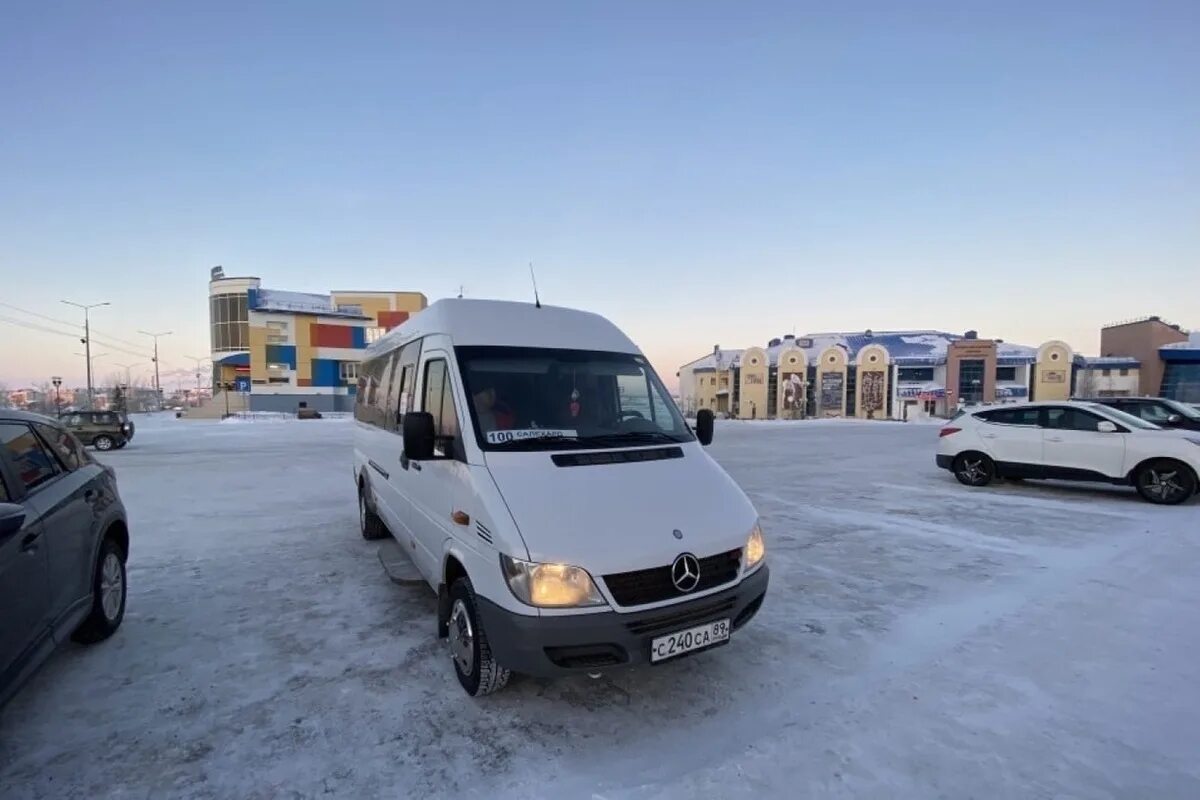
[258, 353]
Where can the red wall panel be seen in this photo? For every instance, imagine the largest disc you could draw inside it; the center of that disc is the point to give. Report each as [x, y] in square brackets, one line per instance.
[323, 335]
[390, 319]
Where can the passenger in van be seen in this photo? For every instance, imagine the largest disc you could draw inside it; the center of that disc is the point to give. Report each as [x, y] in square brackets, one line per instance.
[492, 416]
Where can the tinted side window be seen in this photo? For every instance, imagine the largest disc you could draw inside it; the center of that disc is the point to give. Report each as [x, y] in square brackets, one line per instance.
[1011, 416]
[4, 495]
[439, 401]
[1071, 419]
[1152, 412]
[70, 453]
[32, 461]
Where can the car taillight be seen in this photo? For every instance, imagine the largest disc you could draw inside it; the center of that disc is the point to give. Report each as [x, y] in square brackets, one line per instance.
[946, 431]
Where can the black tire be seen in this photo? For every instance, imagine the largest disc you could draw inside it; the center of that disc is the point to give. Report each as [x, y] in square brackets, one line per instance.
[103, 442]
[369, 523]
[1165, 482]
[974, 469]
[108, 609]
[474, 663]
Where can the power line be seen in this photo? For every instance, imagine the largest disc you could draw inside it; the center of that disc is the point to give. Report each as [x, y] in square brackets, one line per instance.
[97, 336]
[33, 326]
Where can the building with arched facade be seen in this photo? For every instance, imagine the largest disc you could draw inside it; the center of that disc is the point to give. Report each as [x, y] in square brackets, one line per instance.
[870, 375]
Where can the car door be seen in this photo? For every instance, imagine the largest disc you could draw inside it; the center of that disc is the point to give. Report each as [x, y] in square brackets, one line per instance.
[435, 486]
[1014, 439]
[71, 507]
[397, 487]
[1075, 448]
[24, 571]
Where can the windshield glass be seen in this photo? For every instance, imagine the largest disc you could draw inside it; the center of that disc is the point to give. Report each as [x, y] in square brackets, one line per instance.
[524, 398]
[1123, 418]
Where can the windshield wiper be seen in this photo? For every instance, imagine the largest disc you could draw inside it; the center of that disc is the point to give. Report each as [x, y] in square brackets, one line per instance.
[632, 437]
[532, 442]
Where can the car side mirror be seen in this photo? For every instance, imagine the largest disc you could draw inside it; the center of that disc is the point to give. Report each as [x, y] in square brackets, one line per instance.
[12, 517]
[418, 435]
[1106, 427]
[704, 426]
[1174, 419]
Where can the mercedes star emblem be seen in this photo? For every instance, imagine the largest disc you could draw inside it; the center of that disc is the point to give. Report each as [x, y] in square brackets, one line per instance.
[685, 572]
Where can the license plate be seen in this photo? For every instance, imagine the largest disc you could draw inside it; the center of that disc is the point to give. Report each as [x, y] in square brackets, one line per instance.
[685, 641]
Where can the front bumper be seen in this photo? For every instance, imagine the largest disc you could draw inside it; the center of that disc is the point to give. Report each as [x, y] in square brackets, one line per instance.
[553, 646]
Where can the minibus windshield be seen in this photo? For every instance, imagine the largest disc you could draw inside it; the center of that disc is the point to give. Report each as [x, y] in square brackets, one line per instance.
[524, 398]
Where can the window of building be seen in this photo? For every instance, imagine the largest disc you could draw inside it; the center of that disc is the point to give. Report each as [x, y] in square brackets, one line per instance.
[229, 322]
[712, 381]
[1123, 372]
[348, 371]
[1106, 372]
[35, 465]
[374, 334]
[970, 380]
[915, 374]
[277, 333]
[278, 373]
[1006, 373]
[439, 401]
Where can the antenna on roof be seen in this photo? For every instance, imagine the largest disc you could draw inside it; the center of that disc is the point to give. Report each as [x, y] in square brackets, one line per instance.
[537, 302]
[460, 291]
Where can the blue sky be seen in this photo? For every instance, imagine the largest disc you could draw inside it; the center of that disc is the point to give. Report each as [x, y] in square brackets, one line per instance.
[698, 172]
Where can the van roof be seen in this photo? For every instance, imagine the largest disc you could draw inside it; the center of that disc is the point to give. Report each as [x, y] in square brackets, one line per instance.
[505, 323]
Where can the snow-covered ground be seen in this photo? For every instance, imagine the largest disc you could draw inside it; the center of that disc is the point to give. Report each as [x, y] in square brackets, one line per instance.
[919, 640]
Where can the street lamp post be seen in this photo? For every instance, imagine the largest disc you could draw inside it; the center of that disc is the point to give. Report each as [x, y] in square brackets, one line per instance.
[227, 388]
[57, 381]
[198, 361]
[157, 385]
[87, 340]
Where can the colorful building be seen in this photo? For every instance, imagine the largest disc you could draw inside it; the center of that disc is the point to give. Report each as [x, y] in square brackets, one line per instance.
[1169, 357]
[279, 349]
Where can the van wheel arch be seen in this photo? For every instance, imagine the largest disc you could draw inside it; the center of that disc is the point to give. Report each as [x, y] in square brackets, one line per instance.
[452, 571]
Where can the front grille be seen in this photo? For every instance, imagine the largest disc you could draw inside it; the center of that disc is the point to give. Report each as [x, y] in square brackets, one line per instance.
[655, 585]
[673, 619]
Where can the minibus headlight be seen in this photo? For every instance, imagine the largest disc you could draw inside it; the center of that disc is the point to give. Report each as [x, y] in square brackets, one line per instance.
[550, 585]
[756, 549]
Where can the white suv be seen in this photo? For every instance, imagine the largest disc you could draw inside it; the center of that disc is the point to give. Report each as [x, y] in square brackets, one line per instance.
[1070, 441]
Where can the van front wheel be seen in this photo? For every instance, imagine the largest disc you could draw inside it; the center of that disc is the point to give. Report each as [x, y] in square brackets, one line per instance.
[470, 651]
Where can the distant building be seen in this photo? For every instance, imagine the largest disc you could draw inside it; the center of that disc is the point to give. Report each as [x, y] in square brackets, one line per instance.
[899, 374]
[281, 348]
[1146, 340]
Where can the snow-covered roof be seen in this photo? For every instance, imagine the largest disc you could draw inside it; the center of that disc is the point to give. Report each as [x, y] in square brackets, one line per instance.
[1109, 361]
[300, 303]
[709, 362]
[918, 347]
[500, 322]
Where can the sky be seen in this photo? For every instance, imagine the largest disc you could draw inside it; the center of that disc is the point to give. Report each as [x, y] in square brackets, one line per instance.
[698, 172]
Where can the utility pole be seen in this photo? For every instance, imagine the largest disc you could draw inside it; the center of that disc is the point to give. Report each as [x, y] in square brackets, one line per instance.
[86, 341]
[157, 385]
[198, 361]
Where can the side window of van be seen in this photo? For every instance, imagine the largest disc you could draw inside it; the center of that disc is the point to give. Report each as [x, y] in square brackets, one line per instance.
[439, 402]
[404, 379]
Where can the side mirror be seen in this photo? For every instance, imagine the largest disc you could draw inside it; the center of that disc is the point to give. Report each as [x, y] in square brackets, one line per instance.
[704, 426]
[12, 517]
[418, 435]
[1106, 427]
[1174, 419]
